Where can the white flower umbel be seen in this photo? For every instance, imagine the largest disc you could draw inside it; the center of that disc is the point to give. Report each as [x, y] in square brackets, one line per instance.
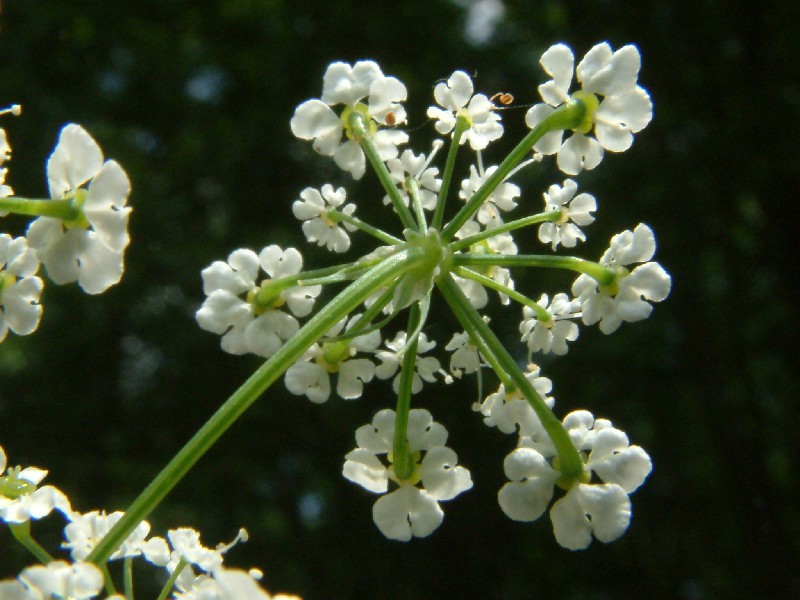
[625, 107]
[88, 249]
[232, 308]
[416, 167]
[587, 508]
[312, 373]
[58, 579]
[502, 199]
[550, 335]
[625, 299]
[575, 210]
[20, 498]
[362, 88]
[425, 367]
[456, 99]
[510, 412]
[20, 288]
[318, 226]
[409, 511]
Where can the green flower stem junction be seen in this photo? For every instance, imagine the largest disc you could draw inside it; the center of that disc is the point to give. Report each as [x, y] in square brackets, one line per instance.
[346, 301]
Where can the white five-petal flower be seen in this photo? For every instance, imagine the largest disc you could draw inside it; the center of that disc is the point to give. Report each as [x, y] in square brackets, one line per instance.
[90, 248]
[409, 511]
[20, 288]
[20, 498]
[455, 97]
[425, 367]
[501, 199]
[318, 226]
[84, 532]
[575, 210]
[57, 579]
[550, 335]
[233, 309]
[602, 509]
[362, 88]
[311, 374]
[626, 299]
[417, 167]
[624, 110]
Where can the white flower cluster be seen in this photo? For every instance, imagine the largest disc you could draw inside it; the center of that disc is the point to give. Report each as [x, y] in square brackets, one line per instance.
[198, 571]
[356, 120]
[87, 247]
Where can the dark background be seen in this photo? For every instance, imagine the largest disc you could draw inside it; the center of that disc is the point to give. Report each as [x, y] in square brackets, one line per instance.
[194, 99]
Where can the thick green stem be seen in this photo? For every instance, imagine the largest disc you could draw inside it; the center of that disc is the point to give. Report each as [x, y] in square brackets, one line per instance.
[571, 465]
[506, 227]
[566, 116]
[462, 124]
[356, 122]
[349, 299]
[402, 460]
[596, 271]
[59, 209]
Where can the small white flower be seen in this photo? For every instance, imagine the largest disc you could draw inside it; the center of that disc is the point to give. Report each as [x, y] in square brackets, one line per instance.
[350, 86]
[626, 299]
[502, 243]
[58, 579]
[456, 99]
[465, 359]
[602, 509]
[510, 412]
[425, 367]
[553, 334]
[232, 309]
[574, 211]
[90, 248]
[86, 530]
[416, 167]
[20, 498]
[318, 226]
[20, 288]
[311, 374]
[501, 199]
[409, 511]
[624, 110]
[227, 584]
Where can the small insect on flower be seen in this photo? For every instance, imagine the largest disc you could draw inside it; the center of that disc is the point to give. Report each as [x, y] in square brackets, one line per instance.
[503, 98]
[390, 119]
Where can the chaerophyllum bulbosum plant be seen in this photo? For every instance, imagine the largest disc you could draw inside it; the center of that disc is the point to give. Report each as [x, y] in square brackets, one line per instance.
[453, 247]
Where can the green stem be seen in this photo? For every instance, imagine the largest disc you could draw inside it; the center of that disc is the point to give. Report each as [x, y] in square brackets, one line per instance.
[462, 124]
[108, 582]
[566, 116]
[22, 533]
[127, 574]
[356, 122]
[59, 209]
[402, 460]
[345, 302]
[571, 465]
[335, 215]
[413, 191]
[596, 271]
[172, 579]
[504, 228]
[541, 313]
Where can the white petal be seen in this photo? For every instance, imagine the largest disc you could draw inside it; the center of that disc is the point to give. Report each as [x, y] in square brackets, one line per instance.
[441, 478]
[350, 158]
[609, 508]
[405, 512]
[351, 375]
[105, 206]
[558, 62]
[310, 379]
[76, 159]
[364, 468]
[579, 152]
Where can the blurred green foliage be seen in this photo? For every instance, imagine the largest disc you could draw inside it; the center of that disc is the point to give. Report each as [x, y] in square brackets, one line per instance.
[194, 100]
